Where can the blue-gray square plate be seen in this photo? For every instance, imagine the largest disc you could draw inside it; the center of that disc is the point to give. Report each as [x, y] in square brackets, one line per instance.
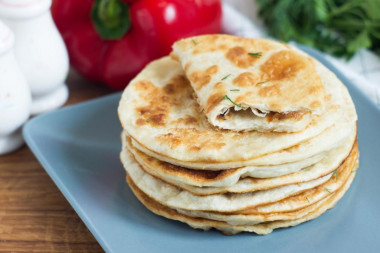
[79, 148]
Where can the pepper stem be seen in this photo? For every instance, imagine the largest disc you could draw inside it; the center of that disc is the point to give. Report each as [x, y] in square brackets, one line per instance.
[111, 18]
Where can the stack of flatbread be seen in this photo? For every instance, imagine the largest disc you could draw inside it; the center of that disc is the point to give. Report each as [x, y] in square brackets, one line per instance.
[238, 134]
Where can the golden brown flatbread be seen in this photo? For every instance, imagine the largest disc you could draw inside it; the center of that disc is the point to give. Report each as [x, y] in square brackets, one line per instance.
[251, 84]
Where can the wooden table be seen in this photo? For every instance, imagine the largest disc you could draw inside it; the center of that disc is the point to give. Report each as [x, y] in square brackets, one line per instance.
[34, 215]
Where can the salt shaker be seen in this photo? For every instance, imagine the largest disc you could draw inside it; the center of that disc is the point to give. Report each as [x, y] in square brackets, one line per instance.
[40, 51]
[15, 96]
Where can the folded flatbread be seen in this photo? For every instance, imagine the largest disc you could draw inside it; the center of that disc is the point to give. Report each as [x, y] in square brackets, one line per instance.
[251, 84]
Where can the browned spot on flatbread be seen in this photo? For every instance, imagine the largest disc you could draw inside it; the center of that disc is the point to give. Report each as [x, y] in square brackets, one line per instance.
[244, 97]
[193, 139]
[315, 104]
[216, 96]
[269, 91]
[209, 43]
[202, 78]
[155, 116]
[282, 65]
[222, 47]
[245, 79]
[212, 70]
[187, 66]
[140, 121]
[177, 84]
[274, 105]
[190, 120]
[187, 120]
[276, 116]
[174, 56]
[239, 57]
[169, 88]
[201, 175]
[158, 119]
[157, 108]
[199, 79]
[143, 85]
[328, 97]
[196, 175]
[314, 90]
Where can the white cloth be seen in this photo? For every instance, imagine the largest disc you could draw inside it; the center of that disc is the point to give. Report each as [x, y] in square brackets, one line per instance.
[240, 18]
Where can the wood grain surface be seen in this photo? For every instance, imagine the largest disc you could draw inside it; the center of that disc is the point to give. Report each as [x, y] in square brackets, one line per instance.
[34, 215]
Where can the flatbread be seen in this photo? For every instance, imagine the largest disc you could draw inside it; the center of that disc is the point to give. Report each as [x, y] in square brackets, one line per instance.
[205, 182]
[315, 194]
[266, 85]
[289, 208]
[262, 229]
[158, 111]
[175, 197]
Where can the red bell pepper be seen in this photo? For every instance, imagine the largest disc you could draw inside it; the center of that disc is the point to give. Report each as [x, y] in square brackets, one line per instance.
[110, 41]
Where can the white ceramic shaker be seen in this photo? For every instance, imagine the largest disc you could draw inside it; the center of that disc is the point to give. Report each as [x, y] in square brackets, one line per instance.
[15, 97]
[40, 51]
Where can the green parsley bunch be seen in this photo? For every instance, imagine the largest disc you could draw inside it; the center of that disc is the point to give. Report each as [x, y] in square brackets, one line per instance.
[339, 27]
